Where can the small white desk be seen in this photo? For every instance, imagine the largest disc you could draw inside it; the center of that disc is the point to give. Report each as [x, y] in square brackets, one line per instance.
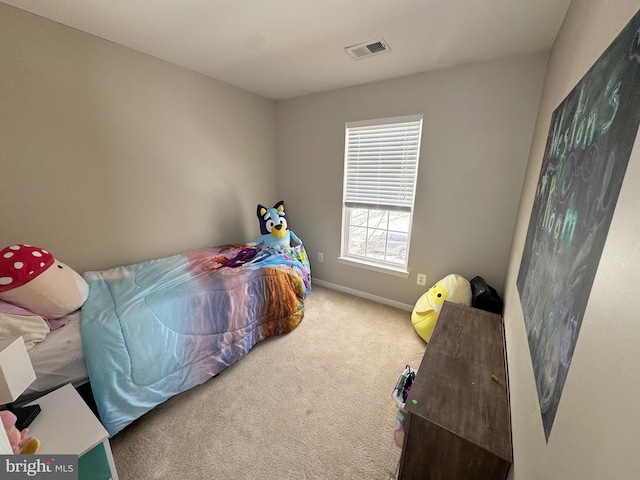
[66, 425]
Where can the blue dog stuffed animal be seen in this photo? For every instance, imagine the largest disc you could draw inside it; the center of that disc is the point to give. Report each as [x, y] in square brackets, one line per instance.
[273, 227]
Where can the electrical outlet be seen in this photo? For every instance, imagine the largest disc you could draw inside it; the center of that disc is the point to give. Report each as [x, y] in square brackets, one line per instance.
[320, 257]
[422, 279]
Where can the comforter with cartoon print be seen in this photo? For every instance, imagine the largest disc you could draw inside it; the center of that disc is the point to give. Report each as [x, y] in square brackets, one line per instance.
[157, 328]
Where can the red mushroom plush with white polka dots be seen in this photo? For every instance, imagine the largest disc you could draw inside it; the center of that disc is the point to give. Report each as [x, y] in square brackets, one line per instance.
[32, 278]
[20, 264]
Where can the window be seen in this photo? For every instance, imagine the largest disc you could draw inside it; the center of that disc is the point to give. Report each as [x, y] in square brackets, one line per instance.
[381, 166]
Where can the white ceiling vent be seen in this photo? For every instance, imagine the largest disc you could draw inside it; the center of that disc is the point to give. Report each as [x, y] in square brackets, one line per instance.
[367, 49]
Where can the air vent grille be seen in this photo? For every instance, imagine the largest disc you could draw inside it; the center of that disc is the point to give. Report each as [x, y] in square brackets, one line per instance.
[376, 47]
[367, 49]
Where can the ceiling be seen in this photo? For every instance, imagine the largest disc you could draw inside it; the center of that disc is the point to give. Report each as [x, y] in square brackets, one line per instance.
[286, 48]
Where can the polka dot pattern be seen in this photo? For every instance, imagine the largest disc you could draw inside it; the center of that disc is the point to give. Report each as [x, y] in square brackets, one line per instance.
[19, 264]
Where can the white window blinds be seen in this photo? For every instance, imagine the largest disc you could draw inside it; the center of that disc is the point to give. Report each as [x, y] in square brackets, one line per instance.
[381, 162]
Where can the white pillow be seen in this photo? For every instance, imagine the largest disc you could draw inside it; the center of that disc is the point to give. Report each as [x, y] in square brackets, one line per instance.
[19, 322]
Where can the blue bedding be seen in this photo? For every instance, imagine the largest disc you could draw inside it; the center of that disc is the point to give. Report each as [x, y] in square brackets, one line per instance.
[157, 328]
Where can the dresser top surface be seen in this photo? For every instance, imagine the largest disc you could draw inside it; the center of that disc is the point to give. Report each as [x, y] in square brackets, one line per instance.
[462, 384]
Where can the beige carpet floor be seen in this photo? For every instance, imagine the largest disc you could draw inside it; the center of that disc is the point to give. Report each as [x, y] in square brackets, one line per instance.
[313, 404]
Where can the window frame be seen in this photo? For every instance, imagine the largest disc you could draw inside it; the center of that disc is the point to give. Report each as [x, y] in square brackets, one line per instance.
[369, 262]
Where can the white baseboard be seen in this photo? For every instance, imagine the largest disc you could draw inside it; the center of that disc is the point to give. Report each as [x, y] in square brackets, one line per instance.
[368, 296]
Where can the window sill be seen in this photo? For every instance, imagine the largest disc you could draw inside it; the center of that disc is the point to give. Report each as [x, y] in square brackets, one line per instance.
[388, 269]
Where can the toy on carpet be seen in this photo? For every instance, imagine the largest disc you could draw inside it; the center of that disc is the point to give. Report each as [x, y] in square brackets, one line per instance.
[31, 278]
[400, 395]
[21, 442]
[453, 288]
[273, 227]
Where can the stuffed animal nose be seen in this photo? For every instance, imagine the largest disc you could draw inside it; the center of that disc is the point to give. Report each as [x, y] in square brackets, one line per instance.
[278, 227]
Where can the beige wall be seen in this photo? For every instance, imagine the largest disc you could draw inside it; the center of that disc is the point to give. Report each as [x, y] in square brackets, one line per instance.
[596, 432]
[478, 122]
[109, 156]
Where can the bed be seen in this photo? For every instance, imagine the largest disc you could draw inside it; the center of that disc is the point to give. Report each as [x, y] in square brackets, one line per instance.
[59, 359]
[155, 329]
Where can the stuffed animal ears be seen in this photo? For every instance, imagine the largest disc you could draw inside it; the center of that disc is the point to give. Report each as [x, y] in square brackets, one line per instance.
[262, 210]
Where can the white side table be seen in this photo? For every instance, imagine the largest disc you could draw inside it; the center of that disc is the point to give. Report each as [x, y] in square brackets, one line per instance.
[66, 425]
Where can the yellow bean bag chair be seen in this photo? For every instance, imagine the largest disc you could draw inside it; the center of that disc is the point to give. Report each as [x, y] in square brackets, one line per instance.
[453, 288]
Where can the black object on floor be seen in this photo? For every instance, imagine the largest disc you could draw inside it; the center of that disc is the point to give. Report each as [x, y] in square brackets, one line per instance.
[484, 296]
[86, 393]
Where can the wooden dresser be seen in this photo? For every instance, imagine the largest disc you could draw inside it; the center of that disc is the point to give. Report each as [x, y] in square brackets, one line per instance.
[459, 422]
